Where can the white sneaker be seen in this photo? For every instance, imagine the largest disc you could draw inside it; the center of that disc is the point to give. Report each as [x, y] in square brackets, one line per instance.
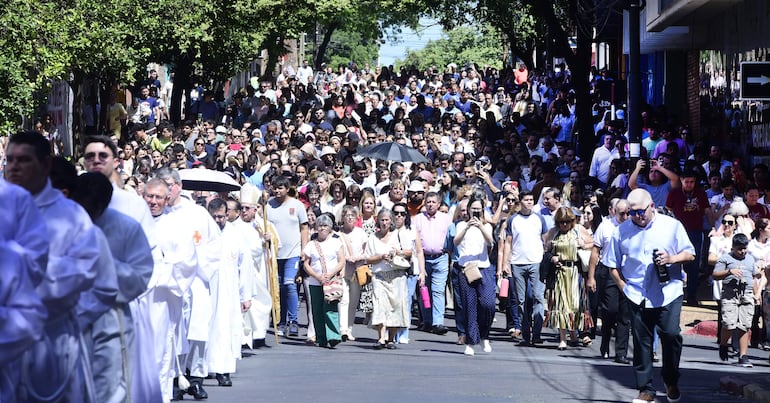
[487, 347]
[469, 350]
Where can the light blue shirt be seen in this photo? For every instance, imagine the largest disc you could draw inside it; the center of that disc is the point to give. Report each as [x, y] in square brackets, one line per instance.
[630, 250]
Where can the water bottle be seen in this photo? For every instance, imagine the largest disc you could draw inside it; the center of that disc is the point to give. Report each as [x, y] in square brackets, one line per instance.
[661, 269]
[425, 296]
[504, 287]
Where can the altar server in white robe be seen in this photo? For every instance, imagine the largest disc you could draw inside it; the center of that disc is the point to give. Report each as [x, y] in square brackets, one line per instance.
[23, 229]
[229, 288]
[114, 343]
[196, 310]
[105, 161]
[23, 315]
[24, 248]
[55, 368]
[171, 279]
[257, 318]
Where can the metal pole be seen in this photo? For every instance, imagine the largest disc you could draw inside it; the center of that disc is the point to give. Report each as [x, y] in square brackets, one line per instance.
[634, 80]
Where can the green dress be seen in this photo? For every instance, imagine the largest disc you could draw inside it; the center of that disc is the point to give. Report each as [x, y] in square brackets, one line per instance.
[565, 312]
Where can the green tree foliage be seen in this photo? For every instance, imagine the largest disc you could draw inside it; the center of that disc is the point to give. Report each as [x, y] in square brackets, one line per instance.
[518, 27]
[462, 45]
[371, 19]
[345, 47]
[31, 35]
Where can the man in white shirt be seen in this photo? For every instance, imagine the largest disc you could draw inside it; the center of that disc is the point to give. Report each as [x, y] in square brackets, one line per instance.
[645, 258]
[600, 162]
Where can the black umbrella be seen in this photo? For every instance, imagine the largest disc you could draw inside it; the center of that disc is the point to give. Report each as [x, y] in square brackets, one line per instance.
[207, 179]
[392, 152]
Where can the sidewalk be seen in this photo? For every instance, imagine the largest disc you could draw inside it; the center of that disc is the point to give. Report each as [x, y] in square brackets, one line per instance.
[702, 321]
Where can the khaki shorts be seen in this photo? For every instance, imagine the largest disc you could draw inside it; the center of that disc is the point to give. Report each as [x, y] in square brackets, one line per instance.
[737, 312]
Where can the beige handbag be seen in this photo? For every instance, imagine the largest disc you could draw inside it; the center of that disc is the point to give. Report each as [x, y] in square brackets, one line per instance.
[472, 272]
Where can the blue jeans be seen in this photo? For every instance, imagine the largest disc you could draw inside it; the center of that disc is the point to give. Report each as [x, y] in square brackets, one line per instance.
[287, 271]
[511, 306]
[437, 270]
[456, 276]
[527, 277]
[411, 285]
[644, 323]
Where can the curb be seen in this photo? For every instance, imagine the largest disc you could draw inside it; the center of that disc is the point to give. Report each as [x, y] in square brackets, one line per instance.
[732, 385]
[705, 328]
[737, 386]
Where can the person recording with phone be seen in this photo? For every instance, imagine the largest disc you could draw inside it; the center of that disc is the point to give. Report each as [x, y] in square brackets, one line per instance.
[473, 240]
[658, 183]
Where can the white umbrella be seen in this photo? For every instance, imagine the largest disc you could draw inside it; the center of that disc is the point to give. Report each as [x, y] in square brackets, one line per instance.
[207, 179]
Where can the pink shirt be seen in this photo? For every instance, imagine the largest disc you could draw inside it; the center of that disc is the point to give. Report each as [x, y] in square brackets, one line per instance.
[432, 231]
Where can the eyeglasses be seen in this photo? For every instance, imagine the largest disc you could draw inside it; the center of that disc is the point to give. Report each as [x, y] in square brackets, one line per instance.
[638, 212]
[728, 222]
[103, 155]
[399, 213]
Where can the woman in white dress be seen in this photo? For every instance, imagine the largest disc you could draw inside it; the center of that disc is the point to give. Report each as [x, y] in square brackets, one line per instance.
[391, 309]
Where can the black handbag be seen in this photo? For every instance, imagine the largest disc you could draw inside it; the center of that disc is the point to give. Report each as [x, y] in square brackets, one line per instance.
[548, 271]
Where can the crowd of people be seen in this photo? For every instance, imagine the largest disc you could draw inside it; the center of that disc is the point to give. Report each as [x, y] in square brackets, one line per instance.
[499, 208]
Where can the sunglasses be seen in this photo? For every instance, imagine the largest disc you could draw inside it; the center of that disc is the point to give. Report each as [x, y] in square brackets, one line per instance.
[103, 155]
[565, 222]
[399, 213]
[637, 212]
[728, 222]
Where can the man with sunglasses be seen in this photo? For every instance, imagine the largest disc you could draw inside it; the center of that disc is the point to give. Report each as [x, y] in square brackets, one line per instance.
[613, 306]
[645, 256]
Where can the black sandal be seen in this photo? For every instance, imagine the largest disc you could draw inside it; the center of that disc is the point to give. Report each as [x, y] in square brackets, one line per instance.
[379, 346]
[391, 345]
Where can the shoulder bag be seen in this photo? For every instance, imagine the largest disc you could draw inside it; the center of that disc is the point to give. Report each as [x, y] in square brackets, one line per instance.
[583, 255]
[332, 287]
[472, 272]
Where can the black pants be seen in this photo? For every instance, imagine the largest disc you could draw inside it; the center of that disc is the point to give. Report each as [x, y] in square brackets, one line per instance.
[614, 312]
[645, 321]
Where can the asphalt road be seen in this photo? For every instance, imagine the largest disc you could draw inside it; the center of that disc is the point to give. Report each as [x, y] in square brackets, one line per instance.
[432, 368]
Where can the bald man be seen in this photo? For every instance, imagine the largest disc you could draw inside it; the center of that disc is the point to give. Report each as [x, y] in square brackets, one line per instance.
[641, 251]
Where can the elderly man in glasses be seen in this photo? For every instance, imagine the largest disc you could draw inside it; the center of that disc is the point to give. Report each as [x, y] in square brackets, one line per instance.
[645, 257]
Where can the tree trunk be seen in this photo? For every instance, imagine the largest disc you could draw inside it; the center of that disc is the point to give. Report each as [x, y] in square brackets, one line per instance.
[321, 51]
[182, 83]
[77, 115]
[525, 55]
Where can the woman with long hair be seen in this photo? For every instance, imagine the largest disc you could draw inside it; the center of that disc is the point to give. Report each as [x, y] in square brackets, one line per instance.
[412, 244]
[473, 239]
[366, 207]
[354, 239]
[337, 192]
